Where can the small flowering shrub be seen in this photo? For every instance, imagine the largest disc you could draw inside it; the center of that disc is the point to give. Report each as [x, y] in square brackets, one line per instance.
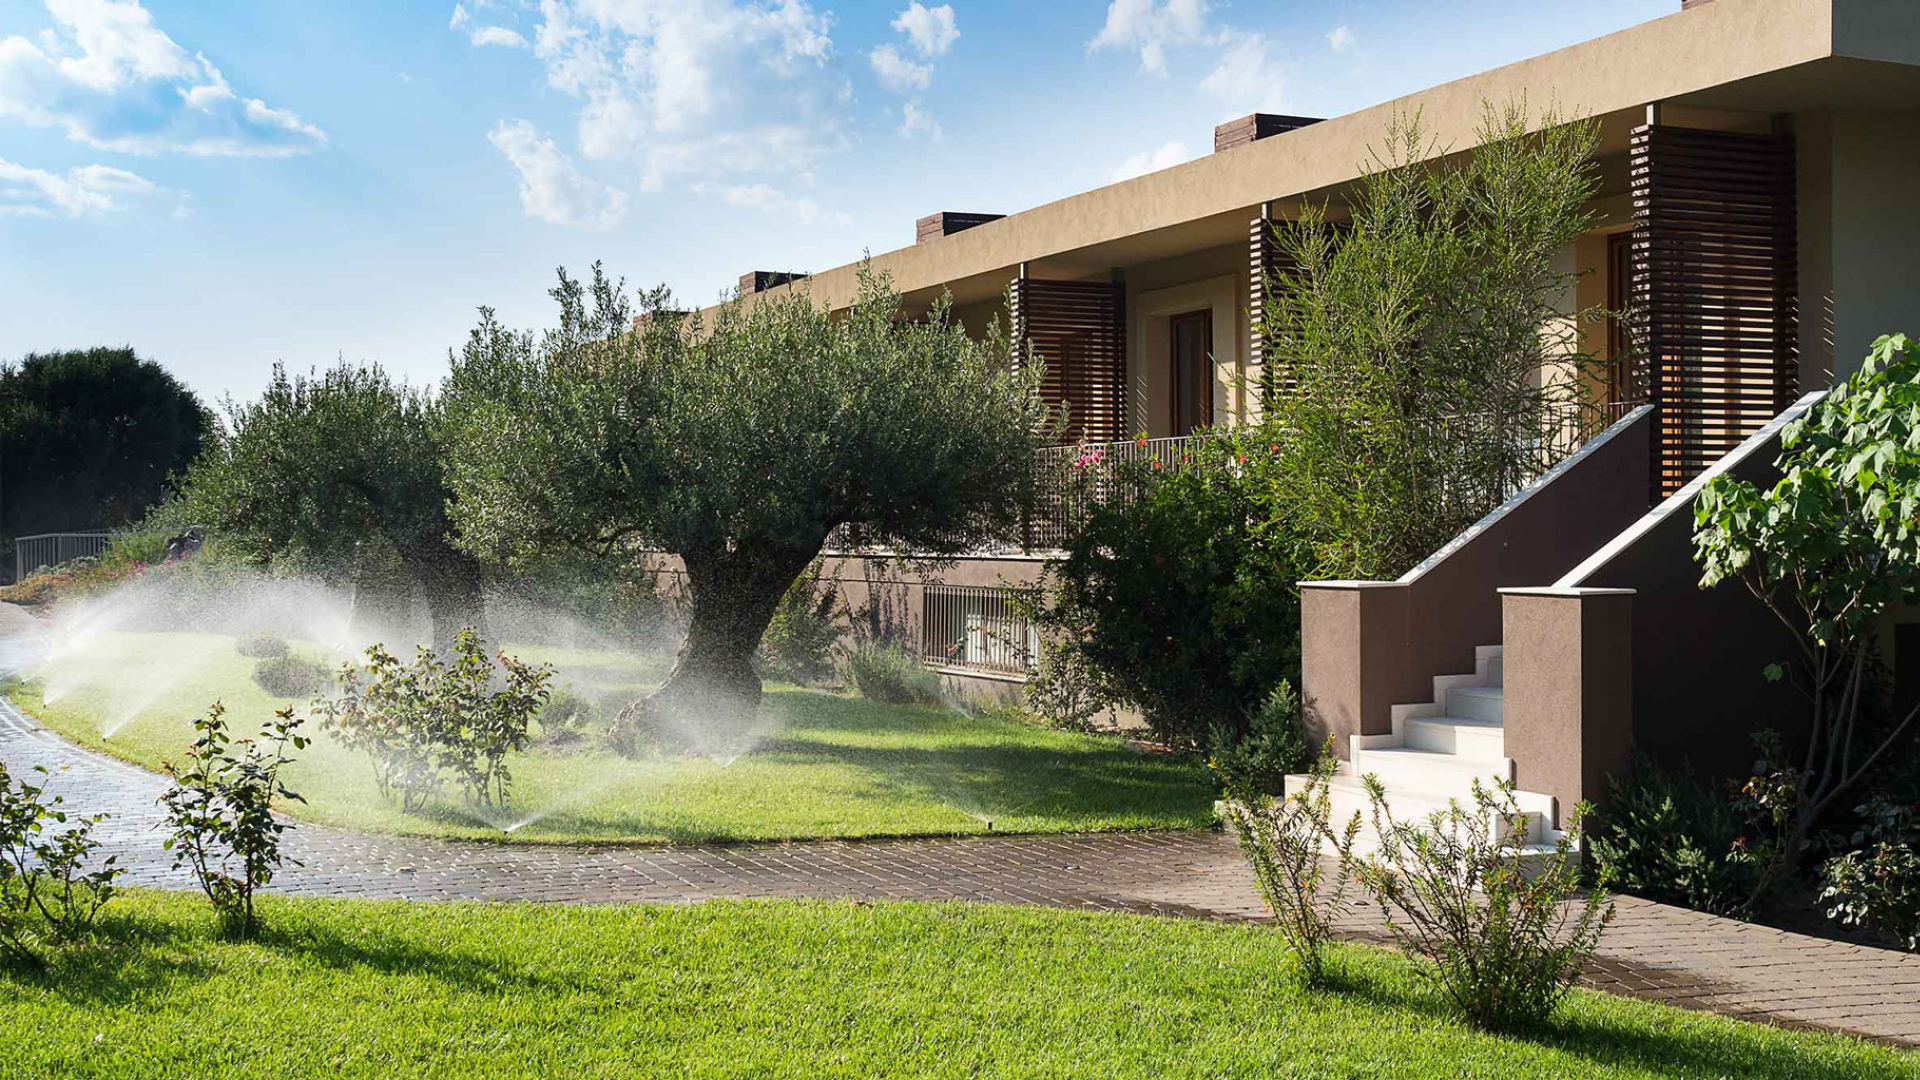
[1284, 839]
[1507, 932]
[423, 720]
[45, 885]
[219, 812]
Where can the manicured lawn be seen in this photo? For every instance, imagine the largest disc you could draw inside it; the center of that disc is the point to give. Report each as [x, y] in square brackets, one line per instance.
[343, 989]
[831, 765]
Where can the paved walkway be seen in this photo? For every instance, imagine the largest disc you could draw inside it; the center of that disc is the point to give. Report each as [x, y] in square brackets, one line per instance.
[1668, 954]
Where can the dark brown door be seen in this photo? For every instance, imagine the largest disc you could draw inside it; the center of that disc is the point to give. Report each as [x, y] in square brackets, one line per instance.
[1619, 293]
[1192, 371]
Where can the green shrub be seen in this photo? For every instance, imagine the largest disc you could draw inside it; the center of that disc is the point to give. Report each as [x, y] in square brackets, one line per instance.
[1065, 689]
[290, 676]
[1502, 927]
[1665, 838]
[891, 673]
[1182, 599]
[44, 878]
[802, 640]
[566, 709]
[1877, 885]
[261, 643]
[1274, 745]
[461, 715]
[220, 816]
[1283, 839]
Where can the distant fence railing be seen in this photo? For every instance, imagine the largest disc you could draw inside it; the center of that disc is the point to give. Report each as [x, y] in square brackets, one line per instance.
[30, 553]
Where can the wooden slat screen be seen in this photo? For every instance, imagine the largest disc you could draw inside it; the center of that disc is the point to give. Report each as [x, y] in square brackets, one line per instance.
[1078, 328]
[1714, 290]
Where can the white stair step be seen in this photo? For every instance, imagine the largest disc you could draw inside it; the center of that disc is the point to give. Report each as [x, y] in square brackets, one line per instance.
[1425, 770]
[1477, 702]
[1496, 672]
[1347, 795]
[1462, 736]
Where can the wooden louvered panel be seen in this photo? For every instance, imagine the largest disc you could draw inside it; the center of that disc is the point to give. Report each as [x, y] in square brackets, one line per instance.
[1713, 290]
[1078, 330]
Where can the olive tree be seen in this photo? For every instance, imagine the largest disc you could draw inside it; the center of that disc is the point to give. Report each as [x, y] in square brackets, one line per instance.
[738, 447]
[1829, 550]
[333, 469]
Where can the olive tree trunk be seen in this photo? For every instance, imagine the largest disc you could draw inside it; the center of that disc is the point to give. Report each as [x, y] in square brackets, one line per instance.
[454, 586]
[712, 695]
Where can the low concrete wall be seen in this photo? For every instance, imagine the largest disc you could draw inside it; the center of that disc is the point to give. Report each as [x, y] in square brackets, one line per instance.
[1366, 646]
[1569, 690]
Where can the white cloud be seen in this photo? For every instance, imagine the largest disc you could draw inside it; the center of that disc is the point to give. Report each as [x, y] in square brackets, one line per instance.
[480, 36]
[1340, 39]
[899, 74]
[916, 120]
[773, 201]
[696, 87]
[88, 191]
[113, 80]
[1245, 79]
[931, 30]
[1150, 26]
[1164, 156]
[551, 189]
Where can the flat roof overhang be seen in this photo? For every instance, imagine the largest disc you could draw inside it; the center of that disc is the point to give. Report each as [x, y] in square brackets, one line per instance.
[1751, 56]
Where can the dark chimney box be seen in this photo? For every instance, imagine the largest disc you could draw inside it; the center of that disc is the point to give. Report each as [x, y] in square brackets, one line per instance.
[948, 222]
[762, 280]
[1256, 126]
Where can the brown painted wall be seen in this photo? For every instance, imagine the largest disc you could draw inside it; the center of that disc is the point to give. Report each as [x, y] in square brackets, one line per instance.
[1698, 692]
[1569, 699]
[1368, 646]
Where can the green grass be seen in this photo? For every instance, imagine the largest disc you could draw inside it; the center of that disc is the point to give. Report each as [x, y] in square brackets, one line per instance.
[345, 989]
[833, 766]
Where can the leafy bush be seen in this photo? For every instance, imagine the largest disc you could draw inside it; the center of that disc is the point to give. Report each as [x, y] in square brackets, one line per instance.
[801, 642]
[1506, 938]
[1274, 745]
[1064, 689]
[1282, 839]
[1182, 599]
[565, 720]
[44, 873]
[890, 672]
[418, 719]
[262, 644]
[290, 676]
[1877, 885]
[1668, 839]
[219, 811]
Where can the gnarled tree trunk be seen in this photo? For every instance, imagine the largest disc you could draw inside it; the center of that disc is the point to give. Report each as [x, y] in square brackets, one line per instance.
[454, 586]
[711, 698]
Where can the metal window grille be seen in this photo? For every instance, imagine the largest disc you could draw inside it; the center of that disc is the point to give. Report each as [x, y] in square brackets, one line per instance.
[976, 628]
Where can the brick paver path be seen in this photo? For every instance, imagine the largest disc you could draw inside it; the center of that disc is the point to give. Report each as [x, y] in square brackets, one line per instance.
[1665, 953]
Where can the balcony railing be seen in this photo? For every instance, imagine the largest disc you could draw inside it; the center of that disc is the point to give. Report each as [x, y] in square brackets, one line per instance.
[1070, 482]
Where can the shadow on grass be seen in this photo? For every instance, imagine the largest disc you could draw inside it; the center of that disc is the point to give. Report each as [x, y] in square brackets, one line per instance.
[389, 955]
[123, 957]
[1606, 1035]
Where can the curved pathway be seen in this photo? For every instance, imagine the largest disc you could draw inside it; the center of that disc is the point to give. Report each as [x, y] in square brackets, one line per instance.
[1665, 953]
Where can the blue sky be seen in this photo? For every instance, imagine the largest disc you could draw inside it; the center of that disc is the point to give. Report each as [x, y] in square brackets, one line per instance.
[226, 184]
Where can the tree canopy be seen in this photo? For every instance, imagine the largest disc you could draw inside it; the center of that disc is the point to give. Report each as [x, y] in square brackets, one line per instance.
[738, 447]
[91, 438]
[334, 469]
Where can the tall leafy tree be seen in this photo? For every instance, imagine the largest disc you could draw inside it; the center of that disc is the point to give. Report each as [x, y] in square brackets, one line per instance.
[1417, 349]
[91, 438]
[334, 469]
[738, 447]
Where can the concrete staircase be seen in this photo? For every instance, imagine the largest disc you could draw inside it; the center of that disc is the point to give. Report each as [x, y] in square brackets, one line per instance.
[1435, 752]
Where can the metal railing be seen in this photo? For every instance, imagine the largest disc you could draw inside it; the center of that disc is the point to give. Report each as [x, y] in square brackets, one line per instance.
[1070, 482]
[976, 628]
[30, 553]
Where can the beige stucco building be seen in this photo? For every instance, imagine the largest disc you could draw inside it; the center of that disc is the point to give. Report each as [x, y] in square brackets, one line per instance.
[1758, 205]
